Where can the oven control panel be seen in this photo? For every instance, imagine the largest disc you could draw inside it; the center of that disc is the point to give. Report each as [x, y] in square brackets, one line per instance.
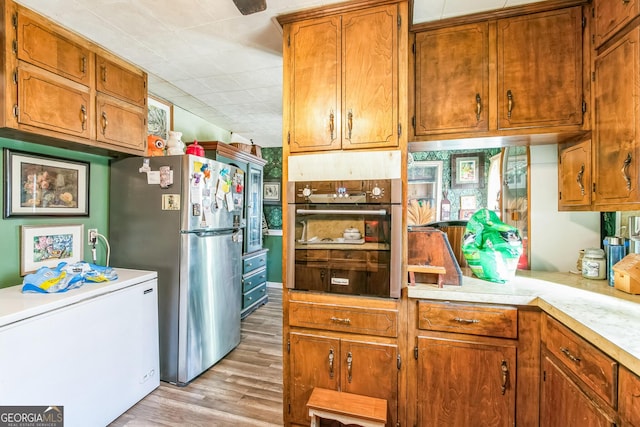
[354, 191]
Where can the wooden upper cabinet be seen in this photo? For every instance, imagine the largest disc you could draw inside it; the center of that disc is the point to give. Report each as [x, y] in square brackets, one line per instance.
[314, 81]
[39, 45]
[574, 175]
[611, 16]
[46, 101]
[452, 79]
[120, 82]
[370, 78]
[342, 80]
[540, 69]
[120, 123]
[617, 124]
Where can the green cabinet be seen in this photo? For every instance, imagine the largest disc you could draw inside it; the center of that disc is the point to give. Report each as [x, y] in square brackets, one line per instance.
[254, 281]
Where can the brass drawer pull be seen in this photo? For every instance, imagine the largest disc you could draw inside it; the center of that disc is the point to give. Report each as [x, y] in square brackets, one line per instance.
[567, 353]
[350, 122]
[332, 125]
[461, 320]
[478, 106]
[349, 366]
[346, 321]
[83, 116]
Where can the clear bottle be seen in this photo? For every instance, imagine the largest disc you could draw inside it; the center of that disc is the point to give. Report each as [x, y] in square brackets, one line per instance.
[593, 264]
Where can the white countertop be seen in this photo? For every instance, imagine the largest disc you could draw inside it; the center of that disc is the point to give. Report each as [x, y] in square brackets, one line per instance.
[16, 306]
[604, 316]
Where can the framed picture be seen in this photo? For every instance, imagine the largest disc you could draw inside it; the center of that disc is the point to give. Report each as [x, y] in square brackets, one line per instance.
[46, 246]
[159, 117]
[271, 192]
[468, 202]
[466, 213]
[467, 170]
[38, 185]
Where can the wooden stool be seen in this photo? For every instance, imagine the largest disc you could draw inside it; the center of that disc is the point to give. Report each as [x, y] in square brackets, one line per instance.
[347, 408]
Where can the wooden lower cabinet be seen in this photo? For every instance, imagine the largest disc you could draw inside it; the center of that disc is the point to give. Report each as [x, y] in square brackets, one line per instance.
[464, 383]
[474, 364]
[563, 404]
[341, 363]
[628, 397]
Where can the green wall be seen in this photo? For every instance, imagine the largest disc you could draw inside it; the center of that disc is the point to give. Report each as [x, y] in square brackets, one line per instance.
[273, 216]
[98, 209]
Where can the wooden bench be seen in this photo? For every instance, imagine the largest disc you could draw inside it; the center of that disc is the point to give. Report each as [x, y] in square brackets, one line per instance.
[347, 408]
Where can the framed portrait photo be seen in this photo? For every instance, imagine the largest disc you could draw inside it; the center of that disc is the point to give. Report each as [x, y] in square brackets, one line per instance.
[467, 170]
[38, 185]
[47, 246]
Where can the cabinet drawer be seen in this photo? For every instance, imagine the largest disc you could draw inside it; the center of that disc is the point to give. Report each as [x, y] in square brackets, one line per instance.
[252, 280]
[254, 295]
[591, 365]
[359, 320]
[254, 262]
[629, 393]
[612, 16]
[495, 321]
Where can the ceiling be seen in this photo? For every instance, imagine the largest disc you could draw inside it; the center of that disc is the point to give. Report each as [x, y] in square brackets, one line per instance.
[206, 58]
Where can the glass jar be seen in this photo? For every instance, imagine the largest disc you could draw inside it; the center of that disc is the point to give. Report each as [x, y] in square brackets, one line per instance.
[593, 264]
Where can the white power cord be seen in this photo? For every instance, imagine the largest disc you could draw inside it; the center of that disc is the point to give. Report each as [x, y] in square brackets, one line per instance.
[93, 250]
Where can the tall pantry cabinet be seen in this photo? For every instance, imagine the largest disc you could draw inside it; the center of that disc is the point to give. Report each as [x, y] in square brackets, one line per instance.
[344, 88]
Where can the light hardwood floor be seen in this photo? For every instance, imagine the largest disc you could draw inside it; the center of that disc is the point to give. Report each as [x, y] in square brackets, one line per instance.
[243, 389]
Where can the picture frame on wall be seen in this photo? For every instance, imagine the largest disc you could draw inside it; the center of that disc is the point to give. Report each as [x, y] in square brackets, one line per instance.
[467, 170]
[159, 117]
[37, 185]
[47, 246]
[468, 202]
[271, 192]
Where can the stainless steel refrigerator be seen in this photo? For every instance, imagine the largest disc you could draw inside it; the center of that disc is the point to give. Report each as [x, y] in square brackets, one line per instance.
[182, 217]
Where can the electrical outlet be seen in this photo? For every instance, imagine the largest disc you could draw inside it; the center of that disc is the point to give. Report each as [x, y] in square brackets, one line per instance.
[93, 235]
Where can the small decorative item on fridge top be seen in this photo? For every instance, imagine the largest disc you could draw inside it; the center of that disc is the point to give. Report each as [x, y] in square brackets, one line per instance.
[175, 146]
[195, 149]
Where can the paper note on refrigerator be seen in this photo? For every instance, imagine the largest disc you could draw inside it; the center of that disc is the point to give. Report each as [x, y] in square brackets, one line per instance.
[229, 199]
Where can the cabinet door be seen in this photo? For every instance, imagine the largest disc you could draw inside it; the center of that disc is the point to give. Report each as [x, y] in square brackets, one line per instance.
[371, 369]
[540, 69]
[39, 45]
[120, 82]
[465, 383]
[370, 78]
[47, 101]
[563, 404]
[617, 102]
[120, 123]
[574, 175]
[314, 84]
[457, 59]
[314, 362]
[629, 397]
[253, 235]
[612, 16]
